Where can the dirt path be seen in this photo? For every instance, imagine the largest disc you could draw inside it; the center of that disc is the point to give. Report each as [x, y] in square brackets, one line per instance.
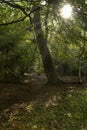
[35, 90]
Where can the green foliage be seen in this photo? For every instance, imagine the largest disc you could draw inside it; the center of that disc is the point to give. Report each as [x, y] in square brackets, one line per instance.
[65, 38]
[17, 53]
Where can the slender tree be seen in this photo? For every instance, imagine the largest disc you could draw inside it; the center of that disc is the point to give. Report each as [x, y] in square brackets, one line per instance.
[40, 37]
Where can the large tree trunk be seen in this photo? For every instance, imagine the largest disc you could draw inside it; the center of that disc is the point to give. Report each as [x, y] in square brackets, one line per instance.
[45, 54]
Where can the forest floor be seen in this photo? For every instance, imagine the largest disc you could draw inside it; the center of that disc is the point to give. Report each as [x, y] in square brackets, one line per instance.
[32, 105]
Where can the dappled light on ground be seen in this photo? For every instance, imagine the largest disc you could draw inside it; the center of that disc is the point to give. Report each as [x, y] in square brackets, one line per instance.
[43, 107]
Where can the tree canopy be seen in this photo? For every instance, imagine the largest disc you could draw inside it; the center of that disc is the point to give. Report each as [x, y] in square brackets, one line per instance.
[33, 33]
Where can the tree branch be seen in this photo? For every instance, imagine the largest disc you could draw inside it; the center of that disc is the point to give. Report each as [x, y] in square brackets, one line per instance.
[12, 22]
[17, 6]
[21, 19]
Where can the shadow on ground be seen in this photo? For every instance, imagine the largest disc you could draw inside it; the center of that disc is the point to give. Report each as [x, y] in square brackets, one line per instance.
[41, 107]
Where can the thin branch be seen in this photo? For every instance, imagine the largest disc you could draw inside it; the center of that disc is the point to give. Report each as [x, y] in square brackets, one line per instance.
[17, 6]
[19, 20]
[12, 22]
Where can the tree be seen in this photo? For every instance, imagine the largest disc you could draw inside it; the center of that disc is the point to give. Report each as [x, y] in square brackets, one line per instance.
[41, 39]
[32, 12]
[42, 45]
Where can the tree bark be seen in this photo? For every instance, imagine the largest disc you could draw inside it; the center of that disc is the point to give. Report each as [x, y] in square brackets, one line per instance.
[44, 51]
